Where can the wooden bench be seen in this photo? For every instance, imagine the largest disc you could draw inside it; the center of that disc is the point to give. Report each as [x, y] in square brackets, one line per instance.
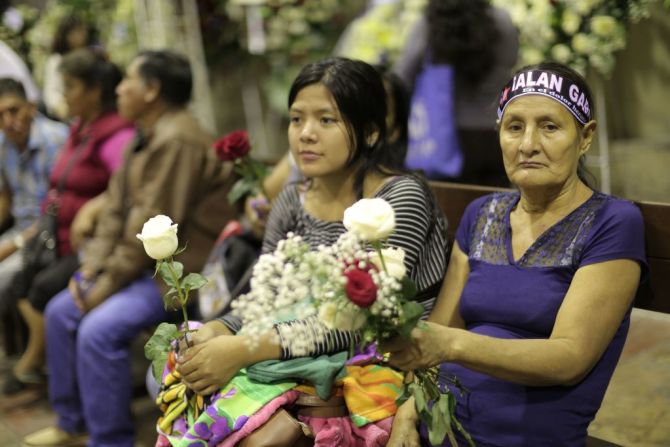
[652, 295]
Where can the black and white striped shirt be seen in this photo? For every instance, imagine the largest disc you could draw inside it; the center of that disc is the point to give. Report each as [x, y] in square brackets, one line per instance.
[421, 231]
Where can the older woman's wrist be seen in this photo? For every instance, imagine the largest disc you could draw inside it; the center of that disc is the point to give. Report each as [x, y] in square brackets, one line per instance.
[451, 345]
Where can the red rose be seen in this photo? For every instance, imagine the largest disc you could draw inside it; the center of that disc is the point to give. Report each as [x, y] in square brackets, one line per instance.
[360, 289]
[232, 146]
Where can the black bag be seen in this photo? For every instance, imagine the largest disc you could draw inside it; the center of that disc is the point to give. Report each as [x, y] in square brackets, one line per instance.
[42, 250]
[228, 270]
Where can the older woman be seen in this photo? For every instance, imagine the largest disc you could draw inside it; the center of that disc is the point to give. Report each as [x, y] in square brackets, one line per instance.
[535, 306]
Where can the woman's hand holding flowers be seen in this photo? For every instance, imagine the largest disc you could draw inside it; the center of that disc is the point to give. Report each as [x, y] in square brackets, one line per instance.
[423, 351]
[202, 368]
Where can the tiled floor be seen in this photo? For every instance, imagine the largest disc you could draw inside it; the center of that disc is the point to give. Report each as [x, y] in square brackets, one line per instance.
[635, 413]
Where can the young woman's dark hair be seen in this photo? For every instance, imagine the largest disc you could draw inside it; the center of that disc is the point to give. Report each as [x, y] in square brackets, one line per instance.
[360, 96]
[172, 71]
[93, 69]
[574, 77]
[397, 136]
[60, 43]
[461, 34]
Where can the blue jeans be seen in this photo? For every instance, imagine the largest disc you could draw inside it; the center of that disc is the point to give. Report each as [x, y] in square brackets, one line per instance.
[88, 357]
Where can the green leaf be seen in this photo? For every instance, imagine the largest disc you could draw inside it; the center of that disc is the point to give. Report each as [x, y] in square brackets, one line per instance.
[171, 272]
[411, 312]
[259, 169]
[241, 188]
[439, 425]
[178, 268]
[193, 281]
[408, 288]
[420, 402]
[158, 347]
[168, 298]
[406, 393]
[166, 274]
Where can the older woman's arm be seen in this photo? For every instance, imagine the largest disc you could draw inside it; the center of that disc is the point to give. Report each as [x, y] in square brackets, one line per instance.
[597, 300]
[445, 311]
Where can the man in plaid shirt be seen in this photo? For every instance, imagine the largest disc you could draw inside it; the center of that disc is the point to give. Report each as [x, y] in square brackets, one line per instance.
[29, 143]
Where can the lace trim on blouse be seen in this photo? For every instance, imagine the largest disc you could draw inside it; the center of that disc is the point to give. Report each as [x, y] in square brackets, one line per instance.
[560, 245]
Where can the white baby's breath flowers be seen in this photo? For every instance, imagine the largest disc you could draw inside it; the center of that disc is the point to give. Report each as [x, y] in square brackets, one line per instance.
[308, 289]
[159, 237]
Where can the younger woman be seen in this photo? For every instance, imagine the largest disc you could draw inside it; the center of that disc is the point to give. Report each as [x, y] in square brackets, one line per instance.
[337, 128]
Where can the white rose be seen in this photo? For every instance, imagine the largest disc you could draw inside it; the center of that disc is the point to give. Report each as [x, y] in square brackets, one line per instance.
[371, 219]
[394, 259]
[343, 318]
[159, 236]
[350, 319]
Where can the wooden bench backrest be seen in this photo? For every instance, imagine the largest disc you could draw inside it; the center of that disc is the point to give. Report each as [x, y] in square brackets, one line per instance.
[653, 295]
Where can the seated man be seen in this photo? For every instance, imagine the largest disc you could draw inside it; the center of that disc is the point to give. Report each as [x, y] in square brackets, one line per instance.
[29, 143]
[170, 170]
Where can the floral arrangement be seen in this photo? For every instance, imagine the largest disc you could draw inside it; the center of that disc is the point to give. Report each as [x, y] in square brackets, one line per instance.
[295, 32]
[380, 34]
[347, 287]
[581, 33]
[113, 19]
[235, 147]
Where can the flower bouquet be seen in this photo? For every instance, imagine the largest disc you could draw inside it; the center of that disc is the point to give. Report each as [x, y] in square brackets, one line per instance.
[159, 237]
[235, 147]
[357, 284]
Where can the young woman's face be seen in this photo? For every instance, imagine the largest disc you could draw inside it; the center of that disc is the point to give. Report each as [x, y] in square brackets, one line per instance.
[541, 142]
[81, 100]
[317, 133]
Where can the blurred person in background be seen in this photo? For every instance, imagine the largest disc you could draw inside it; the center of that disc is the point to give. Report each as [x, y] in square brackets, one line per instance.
[92, 152]
[169, 169]
[480, 43]
[73, 32]
[12, 66]
[29, 144]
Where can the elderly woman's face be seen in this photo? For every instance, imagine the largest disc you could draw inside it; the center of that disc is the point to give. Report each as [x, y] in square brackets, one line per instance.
[541, 142]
